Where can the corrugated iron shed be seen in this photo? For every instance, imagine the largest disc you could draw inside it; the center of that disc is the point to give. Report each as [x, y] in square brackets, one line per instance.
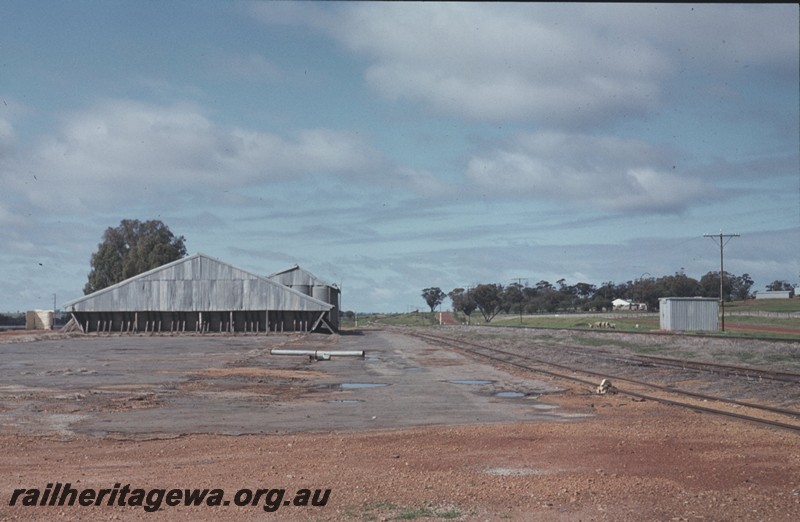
[189, 287]
[689, 314]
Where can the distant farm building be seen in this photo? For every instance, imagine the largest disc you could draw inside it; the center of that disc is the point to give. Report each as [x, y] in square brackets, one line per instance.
[624, 304]
[775, 294]
[689, 314]
[202, 294]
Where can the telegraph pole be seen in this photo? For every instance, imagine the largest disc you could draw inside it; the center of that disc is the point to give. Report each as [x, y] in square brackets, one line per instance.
[723, 240]
[519, 281]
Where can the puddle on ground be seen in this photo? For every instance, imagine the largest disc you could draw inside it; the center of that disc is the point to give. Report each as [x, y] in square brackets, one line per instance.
[412, 368]
[359, 385]
[544, 406]
[345, 401]
[509, 394]
[470, 382]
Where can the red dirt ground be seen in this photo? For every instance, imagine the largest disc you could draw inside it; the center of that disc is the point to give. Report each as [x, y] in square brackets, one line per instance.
[633, 461]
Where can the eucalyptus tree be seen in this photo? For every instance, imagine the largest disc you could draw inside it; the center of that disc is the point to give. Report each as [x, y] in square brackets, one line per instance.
[489, 300]
[131, 248]
[434, 296]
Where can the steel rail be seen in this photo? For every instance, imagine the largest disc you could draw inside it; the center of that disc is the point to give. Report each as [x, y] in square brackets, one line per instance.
[731, 369]
[700, 366]
[459, 344]
[702, 396]
[746, 371]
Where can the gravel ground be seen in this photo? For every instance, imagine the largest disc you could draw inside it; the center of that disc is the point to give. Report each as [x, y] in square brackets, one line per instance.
[604, 458]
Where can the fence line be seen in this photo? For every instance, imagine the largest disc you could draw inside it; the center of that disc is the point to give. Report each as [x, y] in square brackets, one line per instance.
[779, 315]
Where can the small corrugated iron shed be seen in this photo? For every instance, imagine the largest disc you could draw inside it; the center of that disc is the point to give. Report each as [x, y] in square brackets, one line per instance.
[688, 314]
[200, 293]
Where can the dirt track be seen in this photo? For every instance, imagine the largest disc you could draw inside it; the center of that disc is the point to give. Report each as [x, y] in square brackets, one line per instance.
[598, 458]
[763, 329]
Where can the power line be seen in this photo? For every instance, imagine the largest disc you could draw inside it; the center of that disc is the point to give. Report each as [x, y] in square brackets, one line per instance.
[723, 240]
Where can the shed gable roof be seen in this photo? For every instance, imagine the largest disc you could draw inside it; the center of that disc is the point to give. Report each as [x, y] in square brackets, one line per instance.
[294, 276]
[197, 283]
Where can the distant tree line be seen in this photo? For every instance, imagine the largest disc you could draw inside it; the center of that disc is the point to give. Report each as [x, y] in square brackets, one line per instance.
[544, 297]
[12, 319]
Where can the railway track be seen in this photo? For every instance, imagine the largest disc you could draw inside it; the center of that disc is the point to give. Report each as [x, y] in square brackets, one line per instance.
[697, 366]
[747, 411]
[724, 369]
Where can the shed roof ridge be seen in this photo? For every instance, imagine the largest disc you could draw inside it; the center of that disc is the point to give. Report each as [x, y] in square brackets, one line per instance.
[313, 276]
[197, 255]
[279, 272]
[132, 278]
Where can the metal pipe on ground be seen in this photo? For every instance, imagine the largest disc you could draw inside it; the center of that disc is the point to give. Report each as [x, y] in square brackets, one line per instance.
[319, 355]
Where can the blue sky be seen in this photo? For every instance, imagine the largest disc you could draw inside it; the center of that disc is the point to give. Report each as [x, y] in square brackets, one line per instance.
[391, 147]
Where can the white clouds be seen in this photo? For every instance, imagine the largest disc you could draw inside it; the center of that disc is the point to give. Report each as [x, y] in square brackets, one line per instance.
[119, 148]
[712, 36]
[123, 149]
[421, 183]
[321, 150]
[10, 110]
[493, 62]
[585, 171]
[7, 135]
[572, 69]
[565, 66]
[8, 219]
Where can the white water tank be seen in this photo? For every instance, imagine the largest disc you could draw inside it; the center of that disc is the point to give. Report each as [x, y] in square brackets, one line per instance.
[39, 320]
